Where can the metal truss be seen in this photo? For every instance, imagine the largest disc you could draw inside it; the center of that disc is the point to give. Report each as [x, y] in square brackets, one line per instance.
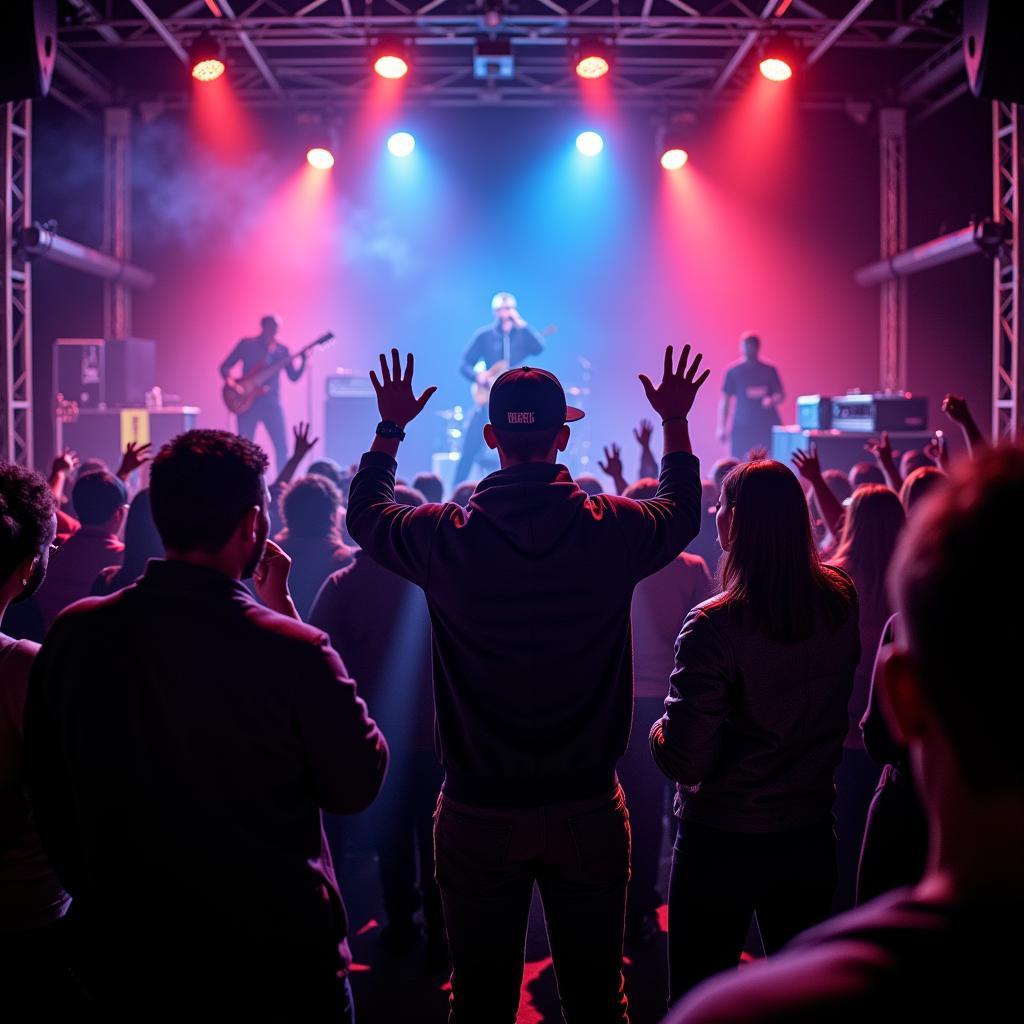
[1008, 173]
[316, 52]
[117, 235]
[892, 152]
[16, 308]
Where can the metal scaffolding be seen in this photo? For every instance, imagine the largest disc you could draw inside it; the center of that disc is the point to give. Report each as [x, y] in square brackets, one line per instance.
[892, 150]
[16, 309]
[117, 235]
[1008, 304]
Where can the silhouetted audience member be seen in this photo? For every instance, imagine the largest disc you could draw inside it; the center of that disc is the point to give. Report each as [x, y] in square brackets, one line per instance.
[141, 543]
[378, 622]
[333, 471]
[948, 948]
[529, 597]
[180, 742]
[753, 730]
[430, 486]
[874, 521]
[720, 470]
[839, 484]
[866, 473]
[309, 509]
[705, 545]
[919, 484]
[462, 493]
[914, 459]
[590, 485]
[895, 844]
[101, 503]
[33, 963]
[660, 603]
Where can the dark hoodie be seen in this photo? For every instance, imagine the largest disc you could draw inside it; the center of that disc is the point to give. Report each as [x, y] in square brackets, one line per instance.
[529, 592]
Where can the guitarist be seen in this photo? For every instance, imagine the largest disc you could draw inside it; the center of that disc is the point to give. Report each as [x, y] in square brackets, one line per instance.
[254, 354]
[507, 341]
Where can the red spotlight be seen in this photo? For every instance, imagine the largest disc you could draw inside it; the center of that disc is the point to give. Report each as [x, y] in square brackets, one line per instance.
[320, 158]
[390, 60]
[206, 57]
[675, 158]
[775, 69]
[591, 59]
[592, 67]
[778, 59]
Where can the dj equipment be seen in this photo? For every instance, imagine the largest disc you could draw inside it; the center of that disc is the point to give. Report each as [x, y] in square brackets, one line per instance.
[873, 413]
[837, 450]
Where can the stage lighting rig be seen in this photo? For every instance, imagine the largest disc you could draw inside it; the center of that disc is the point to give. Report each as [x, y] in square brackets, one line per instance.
[391, 59]
[778, 59]
[589, 143]
[493, 60]
[672, 142]
[591, 59]
[206, 56]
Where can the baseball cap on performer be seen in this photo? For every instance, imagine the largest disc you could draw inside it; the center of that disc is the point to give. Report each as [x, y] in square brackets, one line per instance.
[525, 398]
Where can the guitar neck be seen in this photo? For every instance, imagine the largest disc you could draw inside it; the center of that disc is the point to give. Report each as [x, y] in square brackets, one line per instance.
[259, 377]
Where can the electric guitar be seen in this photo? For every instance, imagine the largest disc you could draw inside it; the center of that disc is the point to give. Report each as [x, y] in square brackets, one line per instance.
[240, 394]
[482, 392]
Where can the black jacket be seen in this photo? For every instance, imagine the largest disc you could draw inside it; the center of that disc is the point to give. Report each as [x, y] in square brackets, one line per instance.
[753, 728]
[180, 743]
[529, 594]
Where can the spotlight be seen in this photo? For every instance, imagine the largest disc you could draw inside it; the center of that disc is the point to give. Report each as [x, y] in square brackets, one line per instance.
[591, 59]
[674, 158]
[206, 57]
[401, 144]
[391, 59]
[320, 158]
[777, 61]
[589, 143]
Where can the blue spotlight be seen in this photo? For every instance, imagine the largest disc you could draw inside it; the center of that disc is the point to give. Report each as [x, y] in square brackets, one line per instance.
[401, 144]
[589, 143]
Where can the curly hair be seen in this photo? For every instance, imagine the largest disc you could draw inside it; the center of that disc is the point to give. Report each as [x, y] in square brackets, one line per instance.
[27, 508]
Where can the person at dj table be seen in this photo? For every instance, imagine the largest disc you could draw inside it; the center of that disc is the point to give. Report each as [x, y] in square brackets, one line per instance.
[507, 342]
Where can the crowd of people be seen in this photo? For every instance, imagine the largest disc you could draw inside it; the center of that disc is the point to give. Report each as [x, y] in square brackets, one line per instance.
[509, 691]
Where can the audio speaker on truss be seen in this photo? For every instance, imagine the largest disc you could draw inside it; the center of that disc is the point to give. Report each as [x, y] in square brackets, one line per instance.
[993, 43]
[28, 48]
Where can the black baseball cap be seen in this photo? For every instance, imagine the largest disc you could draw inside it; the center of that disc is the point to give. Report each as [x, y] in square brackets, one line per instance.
[525, 399]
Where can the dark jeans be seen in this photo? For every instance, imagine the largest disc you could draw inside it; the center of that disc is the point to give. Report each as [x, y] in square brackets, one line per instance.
[403, 827]
[856, 781]
[646, 790]
[487, 864]
[472, 442]
[267, 411]
[719, 879]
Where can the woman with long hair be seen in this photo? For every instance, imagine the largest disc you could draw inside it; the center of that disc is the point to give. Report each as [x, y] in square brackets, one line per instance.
[753, 730]
[872, 526]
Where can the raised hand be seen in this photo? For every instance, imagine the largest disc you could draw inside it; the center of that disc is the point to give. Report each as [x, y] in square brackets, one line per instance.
[955, 407]
[807, 463]
[612, 464]
[395, 398]
[302, 445]
[642, 434]
[937, 451]
[135, 455]
[674, 396]
[881, 450]
[65, 462]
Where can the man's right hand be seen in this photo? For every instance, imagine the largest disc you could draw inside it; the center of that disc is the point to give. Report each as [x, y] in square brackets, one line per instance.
[673, 398]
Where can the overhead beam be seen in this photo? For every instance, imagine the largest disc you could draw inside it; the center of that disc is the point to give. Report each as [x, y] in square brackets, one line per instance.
[840, 27]
[744, 48]
[250, 48]
[161, 29]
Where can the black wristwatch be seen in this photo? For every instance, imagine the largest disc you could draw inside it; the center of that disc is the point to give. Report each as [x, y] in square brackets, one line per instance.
[389, 429]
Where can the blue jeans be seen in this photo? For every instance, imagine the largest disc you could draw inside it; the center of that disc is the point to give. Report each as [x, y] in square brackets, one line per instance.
[487, 862]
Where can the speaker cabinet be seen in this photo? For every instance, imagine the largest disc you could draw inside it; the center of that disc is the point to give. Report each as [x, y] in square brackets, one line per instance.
[28, 48]
[994, 48]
